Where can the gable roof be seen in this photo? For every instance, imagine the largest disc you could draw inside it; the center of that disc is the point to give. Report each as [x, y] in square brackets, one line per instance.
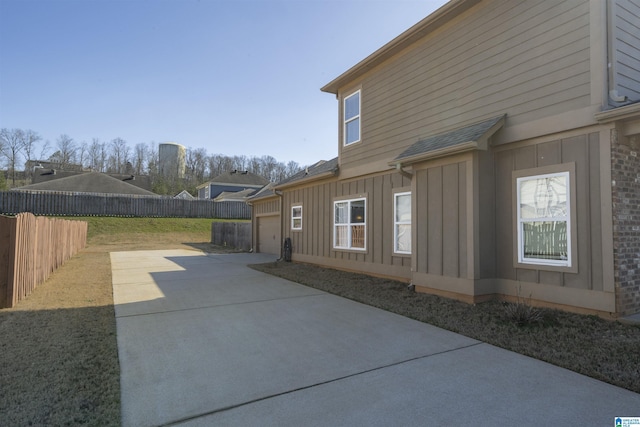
[43, 175]
[235, 196]
[239, 178]
[93, 182]
[322, 169]
[428, 25]
[469, 137]
[264, 193]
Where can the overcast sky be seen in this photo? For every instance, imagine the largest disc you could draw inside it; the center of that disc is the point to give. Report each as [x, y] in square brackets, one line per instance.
[236, 77]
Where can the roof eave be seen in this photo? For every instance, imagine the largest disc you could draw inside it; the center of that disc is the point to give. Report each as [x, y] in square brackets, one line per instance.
[456, 149]
[620, 113]
[429, 24]
[311, 178]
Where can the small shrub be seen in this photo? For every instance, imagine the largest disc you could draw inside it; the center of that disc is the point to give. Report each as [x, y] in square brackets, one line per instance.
[522, 313]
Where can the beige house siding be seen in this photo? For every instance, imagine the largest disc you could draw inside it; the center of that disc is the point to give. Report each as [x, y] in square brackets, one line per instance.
[529, 59]
[624, 48]
[583, 151]
[314, 243]
[441, 227]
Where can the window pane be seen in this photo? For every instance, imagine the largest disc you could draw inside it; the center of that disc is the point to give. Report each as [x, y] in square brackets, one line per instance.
[341, 213]
[352, 130]
[543, 197]
[296, 212]
[352, 106]
[545, 240]
[403, 233]
[342, 236]
[357, 236]
[403, 207]
[357, 211]
[297, 223]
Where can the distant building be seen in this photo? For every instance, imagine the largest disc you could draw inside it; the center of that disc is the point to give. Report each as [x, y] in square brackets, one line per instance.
[171, 159]
[231, 182]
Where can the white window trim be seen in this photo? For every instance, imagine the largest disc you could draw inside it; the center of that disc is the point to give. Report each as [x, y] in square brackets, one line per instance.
[537, 261]
[293, 227]
[396, 223]
[356, 117]
[349, 224]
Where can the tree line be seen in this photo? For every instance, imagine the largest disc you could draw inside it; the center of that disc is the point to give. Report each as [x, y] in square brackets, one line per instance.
[117, 156]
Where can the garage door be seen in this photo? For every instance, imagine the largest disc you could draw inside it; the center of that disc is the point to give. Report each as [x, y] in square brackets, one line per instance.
[269, 234]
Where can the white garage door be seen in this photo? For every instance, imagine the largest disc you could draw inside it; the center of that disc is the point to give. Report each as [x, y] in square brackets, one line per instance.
[269, 234]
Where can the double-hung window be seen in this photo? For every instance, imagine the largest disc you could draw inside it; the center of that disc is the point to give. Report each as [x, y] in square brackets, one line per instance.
[544, 219]
[351, 113]
[349, 225]
[402, 223]
[296, 217]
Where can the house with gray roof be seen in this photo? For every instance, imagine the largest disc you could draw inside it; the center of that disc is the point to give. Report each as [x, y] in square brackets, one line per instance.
[91, 182]
[489, 151]
[231, 182]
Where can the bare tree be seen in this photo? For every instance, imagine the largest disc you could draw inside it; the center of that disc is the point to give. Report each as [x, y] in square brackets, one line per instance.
[139, 157]
[12, 145]
[95, 150]
[83, 150]
[30, 139]
[66, 154]
[119, 154]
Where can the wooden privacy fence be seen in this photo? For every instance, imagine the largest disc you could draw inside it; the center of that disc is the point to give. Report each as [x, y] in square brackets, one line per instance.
[233, 234]
[102, 204]
[31, 248]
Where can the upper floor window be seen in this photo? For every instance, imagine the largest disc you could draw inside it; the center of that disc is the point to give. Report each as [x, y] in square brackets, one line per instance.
[351, 120]
[349, 225]
[402, 223]
[296, 217]
[544, 219]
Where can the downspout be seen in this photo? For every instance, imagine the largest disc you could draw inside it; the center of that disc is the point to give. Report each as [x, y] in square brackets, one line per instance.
[279, 194]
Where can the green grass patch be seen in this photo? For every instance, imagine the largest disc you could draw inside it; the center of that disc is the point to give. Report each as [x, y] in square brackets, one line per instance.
[99, 226]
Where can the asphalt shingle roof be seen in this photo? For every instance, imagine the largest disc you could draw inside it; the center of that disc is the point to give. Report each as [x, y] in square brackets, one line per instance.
[93, 182]
[316, 169]
[449, 139]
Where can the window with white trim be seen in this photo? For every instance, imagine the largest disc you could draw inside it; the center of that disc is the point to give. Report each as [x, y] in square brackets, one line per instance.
[544, 219]
[402, 223]
[351, 118]
[349, 225]
[296, 217]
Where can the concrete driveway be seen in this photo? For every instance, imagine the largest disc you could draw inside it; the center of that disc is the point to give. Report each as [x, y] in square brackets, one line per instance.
[205, 341]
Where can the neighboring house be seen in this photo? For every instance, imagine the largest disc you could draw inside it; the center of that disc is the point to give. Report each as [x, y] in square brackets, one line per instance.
[44, 175]
[229, 182]
[91, 182]
[38, 165]
[185, 195]
[490, 150]
[235, 196]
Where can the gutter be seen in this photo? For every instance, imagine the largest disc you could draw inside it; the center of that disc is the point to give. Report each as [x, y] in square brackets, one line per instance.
[620, 113]
[311, 178]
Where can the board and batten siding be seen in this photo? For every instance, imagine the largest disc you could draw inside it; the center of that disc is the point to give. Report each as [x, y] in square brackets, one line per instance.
[624, 48]
[528, 59]
[584, 151]
[441, 231]
[314, 243]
